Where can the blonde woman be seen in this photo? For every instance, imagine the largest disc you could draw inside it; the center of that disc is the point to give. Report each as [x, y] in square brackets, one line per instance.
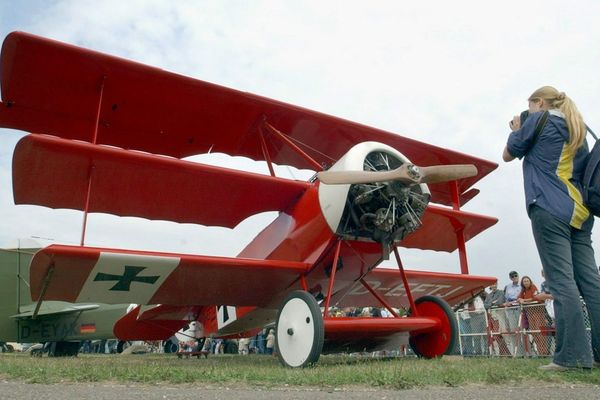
[553, 165]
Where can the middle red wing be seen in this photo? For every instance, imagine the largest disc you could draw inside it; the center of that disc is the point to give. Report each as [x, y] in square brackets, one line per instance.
[54, 172]
[441, 225]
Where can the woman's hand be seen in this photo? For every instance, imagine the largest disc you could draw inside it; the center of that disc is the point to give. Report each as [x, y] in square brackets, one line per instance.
[515, 124]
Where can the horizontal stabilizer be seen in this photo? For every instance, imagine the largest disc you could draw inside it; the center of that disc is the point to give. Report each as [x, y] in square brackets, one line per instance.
[168, 312]
[133, 327]
[57, 173]
[54, 308]
[80, 274]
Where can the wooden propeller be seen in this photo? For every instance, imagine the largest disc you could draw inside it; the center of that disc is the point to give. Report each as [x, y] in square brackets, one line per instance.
[407, 173]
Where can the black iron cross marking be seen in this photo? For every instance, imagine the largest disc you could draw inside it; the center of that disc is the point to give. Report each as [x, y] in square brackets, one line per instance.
[225, 313]
[124, 281]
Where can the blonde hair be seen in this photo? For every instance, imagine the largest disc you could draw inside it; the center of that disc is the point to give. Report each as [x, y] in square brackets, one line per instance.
[562, 102]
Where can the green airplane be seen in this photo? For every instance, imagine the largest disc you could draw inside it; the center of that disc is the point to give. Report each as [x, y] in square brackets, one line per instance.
[60, 325]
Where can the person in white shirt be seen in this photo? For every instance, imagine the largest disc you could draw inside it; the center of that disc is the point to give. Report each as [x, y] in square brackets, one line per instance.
[513, 312]
[513, 289]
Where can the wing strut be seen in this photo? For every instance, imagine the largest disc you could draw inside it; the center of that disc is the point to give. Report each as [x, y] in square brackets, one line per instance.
[44, 288]
[334, 266]
[378, 297]
[91, 170]
[460, 233]
[265, 150]
[411, 301]
[286, 140]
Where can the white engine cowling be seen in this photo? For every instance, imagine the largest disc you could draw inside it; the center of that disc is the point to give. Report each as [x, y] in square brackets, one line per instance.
[383, 212]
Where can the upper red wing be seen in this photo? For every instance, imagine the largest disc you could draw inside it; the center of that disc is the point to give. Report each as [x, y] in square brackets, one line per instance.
[55, 88]
[77, 273]
[55, 172]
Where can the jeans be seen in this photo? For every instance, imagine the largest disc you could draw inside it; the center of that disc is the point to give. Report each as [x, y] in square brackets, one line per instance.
[568, 260]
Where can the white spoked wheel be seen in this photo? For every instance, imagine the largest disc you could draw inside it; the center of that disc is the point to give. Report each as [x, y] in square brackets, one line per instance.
[299, 333]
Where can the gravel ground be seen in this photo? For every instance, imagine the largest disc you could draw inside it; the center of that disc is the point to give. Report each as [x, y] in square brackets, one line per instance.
[108, 391]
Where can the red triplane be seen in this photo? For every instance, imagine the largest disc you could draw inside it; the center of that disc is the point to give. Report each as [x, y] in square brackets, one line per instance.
[109, 136]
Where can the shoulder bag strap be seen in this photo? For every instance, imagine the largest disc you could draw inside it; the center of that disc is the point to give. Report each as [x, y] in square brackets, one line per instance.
[540, 125]
[591, 132]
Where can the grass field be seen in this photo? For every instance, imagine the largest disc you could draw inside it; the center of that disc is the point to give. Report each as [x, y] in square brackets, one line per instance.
[331, 371]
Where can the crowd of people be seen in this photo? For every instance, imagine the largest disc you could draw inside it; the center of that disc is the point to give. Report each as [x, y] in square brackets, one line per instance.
[261, 343]
[518, 291]
[497, 317]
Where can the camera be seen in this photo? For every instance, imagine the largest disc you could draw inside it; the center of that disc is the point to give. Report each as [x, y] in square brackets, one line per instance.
[522, 117]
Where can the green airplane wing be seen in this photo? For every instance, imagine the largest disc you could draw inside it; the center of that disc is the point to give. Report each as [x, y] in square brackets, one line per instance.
[54, 308]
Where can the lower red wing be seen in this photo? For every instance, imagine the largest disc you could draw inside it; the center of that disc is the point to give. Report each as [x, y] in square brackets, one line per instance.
[111, 276]
[453, 288]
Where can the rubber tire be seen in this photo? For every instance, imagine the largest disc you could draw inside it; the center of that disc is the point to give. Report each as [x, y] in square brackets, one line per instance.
[305, 314]
[435, 344]
[170, 347]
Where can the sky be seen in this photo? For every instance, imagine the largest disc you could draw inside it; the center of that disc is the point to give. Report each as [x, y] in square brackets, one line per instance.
[448, 73]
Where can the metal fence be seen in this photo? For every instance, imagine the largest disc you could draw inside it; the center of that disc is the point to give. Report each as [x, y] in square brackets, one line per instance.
[517, 331]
